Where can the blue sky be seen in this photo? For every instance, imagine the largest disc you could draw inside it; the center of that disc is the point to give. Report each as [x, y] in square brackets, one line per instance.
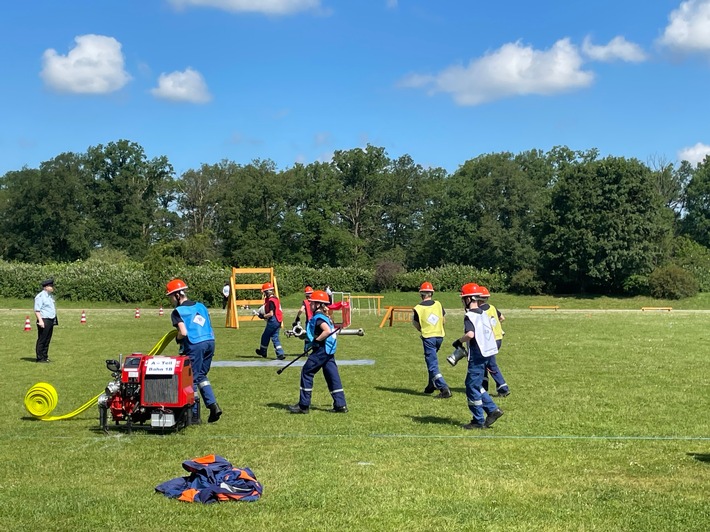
[444, 81]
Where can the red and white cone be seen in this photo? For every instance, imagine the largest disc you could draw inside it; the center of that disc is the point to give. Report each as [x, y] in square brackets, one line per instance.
[138, 313]
[83, 317]
[28, 325]
[160, 312]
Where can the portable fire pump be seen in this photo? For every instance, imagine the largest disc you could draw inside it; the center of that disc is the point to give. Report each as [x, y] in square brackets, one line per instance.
[146, 388]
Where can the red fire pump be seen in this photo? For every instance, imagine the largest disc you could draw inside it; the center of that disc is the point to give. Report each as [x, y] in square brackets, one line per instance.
[148, 388]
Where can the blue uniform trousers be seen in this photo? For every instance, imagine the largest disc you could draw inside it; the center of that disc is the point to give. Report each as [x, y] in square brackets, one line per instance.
[431, 350]
[201, 359]
[319, 359]
[479, 402]
[494, 371]
[271, 332]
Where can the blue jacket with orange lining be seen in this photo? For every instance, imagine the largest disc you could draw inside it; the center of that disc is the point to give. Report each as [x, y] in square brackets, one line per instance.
[212, 479]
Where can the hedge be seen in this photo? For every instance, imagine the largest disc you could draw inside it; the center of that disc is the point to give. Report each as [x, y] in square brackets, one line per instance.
[133, 282]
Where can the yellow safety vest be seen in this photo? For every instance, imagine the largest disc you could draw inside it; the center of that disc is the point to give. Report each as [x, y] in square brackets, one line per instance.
[495, 322]
[431, 320]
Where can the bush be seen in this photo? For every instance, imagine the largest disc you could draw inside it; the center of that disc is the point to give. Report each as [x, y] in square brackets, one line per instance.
[526, 282]
[450, 278]
[672, 282]
[636, 285]
[385, 276]
[694, 258]
[125, 281]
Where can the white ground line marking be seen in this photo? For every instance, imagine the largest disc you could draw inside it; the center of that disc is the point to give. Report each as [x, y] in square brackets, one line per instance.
[281, 363]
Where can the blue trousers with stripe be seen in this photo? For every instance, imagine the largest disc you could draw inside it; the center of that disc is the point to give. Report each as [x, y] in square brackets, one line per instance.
[479, 402]
[431, 352]
[318, 360]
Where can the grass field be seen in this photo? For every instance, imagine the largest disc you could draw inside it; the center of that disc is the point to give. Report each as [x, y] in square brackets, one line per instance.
[607, 428]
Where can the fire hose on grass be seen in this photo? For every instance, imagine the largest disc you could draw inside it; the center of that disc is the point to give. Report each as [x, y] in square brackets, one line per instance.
[42, 398]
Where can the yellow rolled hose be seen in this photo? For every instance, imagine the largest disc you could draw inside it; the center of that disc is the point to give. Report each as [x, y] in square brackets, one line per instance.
[42, 398]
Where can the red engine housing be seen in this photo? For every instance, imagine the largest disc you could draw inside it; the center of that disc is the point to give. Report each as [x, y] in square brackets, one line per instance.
[152, 384]
[164, 381]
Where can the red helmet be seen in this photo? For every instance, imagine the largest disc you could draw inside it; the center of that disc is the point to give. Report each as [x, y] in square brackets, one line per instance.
[308, 290]
[484, 292]
[175, 286]
[319, 296]
[470, 290]
[426, 287]
[267, 286]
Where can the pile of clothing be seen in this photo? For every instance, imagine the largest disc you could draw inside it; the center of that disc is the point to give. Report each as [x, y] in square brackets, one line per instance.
[213, 479]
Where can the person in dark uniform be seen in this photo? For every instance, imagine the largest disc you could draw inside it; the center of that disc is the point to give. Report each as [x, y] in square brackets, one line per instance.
[46, 312]
[274, 317]
[480, 340]
[305, 307]
[322, 336]
[496, 319]
[196, 339]
[428, 319]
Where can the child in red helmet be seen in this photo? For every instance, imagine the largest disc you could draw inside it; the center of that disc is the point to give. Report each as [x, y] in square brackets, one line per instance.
[428, 319]
[196, 338]
[481, 345]
[273, 316]
[322, 337]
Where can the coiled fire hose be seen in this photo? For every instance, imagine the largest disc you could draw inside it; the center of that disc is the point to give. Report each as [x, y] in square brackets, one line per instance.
[42, 398]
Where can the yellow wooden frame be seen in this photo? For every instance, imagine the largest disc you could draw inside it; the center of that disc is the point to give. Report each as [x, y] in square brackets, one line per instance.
[233, 318]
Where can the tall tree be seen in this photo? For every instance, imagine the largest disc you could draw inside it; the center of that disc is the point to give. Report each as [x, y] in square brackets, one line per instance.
[606, 221]
[251, 213]
[44, 212]
[486, 213]
[697, 220]
[403, 203]
[128, 195]
[361, 174]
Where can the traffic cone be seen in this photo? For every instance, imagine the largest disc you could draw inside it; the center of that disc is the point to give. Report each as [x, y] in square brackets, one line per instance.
[160, 312]
[138, 313]
[28, 325]
[83, 317]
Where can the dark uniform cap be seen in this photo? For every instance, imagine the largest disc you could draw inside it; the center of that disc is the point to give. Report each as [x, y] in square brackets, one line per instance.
[47, 282]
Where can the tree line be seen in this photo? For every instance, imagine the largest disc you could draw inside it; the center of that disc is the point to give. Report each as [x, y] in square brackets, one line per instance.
[557, 221]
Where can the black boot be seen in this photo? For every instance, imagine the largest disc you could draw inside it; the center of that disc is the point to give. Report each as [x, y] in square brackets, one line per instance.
[215, 412]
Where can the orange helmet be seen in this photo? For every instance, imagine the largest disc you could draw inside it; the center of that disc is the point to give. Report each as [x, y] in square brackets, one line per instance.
[175, 286]
[308, 290]
[426, 287]
[470, 290]
[484, 292]
[267, 286]
[319, 296]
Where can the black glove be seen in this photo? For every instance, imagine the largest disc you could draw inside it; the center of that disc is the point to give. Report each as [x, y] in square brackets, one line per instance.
[260, 315]
[457, 344]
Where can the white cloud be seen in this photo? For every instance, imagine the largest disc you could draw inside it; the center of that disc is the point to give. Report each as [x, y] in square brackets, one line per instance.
[512, 70]
[694, 154]
[323, 138]
[392, 4]
[688, 27]
[269, 7]
[187, 86]
[617, 48]
[93, 66]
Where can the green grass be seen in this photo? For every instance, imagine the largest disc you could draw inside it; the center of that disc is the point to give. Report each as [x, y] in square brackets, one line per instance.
[606, 428]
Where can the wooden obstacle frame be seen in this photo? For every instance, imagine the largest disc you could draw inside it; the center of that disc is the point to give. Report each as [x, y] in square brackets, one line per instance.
[233, 317]
[544, 307]
[397, 314]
